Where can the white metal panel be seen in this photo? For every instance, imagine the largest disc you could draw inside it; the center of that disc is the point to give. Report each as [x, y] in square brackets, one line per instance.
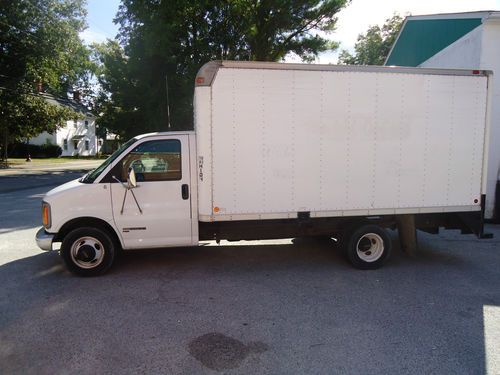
[203, 126]
[362, 140]
[285, 141]
[223, 122]
[335, 143]
[349, 213]
[277, 152]
[236, 151]
[193, 189]
[390, 115]
[478, 49]
[434, 184]
[306, 103]
[412, 137]
[490, 58]
[245, 147]
[465, 158]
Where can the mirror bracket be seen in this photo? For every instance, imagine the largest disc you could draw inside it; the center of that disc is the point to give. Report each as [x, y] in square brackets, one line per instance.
[131, 184]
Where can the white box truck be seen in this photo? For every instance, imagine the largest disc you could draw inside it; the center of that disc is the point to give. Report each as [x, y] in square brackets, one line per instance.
[286, 150]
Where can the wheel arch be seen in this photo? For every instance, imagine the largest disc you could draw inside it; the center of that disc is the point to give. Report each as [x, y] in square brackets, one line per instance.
[384, 221]
[87, 221]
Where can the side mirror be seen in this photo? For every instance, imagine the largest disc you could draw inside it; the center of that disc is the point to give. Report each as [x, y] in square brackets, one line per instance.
[131, 180]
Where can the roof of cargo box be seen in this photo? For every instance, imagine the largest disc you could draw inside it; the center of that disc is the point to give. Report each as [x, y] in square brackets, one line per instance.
[207, 72]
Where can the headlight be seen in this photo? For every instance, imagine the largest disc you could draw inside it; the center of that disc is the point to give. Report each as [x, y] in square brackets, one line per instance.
[46, 215]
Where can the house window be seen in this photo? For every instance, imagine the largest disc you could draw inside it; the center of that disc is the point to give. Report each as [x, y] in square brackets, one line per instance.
[75, 145]
[65, 145]
[86, 145]
[86, 124]
[75, 123]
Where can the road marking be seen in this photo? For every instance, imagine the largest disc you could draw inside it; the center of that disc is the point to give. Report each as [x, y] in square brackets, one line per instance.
[491, 316]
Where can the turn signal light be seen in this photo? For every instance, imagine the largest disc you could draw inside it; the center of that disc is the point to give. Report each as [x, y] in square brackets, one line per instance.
[46, 215]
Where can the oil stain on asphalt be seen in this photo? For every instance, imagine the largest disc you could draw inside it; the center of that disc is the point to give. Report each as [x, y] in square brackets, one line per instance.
[220, 352]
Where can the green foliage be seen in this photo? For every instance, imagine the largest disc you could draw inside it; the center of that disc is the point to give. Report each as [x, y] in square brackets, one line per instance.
[21, 150]
[29, 114]
[39, 43]
[373, 46]
[173, 39]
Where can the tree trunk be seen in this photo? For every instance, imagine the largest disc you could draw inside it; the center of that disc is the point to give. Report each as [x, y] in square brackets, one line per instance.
[5, 144]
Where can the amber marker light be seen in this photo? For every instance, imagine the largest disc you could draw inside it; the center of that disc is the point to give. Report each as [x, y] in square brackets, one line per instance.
[216, 209]
[46, 214]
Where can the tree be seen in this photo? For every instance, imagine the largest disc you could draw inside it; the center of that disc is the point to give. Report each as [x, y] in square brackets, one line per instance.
[116, 102]
[373, 46]
[172, 40]
[39, 50]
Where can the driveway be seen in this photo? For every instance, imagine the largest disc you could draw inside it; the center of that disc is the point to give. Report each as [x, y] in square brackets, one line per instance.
[270, 307]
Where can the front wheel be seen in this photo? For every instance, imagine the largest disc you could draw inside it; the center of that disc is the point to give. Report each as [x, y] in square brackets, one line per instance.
[88, 251]
[368, 247]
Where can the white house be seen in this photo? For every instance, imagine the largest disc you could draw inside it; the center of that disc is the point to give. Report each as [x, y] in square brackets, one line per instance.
[77, 136]
[465, 41]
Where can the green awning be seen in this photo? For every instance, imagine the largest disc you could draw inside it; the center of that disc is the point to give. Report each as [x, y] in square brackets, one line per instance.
[421, 39]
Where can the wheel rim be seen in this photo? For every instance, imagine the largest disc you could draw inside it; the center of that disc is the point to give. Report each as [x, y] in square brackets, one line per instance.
[370, 247]
[87, 252]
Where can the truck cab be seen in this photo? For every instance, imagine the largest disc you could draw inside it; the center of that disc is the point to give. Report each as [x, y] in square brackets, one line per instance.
[142, 196]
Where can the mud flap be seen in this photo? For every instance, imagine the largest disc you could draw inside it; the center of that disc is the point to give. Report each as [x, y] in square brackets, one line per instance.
[475, 221]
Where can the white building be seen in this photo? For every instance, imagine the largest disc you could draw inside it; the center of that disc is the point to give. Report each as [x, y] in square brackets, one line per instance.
[77, 136]
[465, 41]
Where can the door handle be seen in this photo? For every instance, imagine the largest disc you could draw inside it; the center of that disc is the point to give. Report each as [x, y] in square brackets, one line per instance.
[185, 191]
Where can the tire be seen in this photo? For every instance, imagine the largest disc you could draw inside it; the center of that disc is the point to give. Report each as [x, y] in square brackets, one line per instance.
[368, 247]
[88, 251]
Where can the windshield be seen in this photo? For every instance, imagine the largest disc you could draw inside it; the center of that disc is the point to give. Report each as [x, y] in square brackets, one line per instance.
[91, 176]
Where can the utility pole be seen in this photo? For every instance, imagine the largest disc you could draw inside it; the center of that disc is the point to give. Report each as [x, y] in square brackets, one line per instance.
[168, 104]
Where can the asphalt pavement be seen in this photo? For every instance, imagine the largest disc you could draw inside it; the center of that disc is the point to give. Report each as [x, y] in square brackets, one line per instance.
[39, 174]
[268, 307]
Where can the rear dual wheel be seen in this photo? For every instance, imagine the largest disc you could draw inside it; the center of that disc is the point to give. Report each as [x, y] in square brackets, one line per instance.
[367, 246]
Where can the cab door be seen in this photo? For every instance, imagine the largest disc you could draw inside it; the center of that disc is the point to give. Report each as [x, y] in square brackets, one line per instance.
[157, 212]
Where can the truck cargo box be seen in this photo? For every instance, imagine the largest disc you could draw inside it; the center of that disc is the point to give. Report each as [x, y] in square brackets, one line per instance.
[275, 140]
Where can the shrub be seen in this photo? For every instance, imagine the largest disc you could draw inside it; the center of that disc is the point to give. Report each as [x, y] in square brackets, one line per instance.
[21, 150]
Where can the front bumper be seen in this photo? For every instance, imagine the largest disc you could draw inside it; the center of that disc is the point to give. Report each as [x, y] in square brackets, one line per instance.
[44, 239]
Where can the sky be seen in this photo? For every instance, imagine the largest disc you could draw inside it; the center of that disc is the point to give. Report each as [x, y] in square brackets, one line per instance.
[353, 20]
[100, 15]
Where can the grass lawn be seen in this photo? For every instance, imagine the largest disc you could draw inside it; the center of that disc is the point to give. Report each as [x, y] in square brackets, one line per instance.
[62, 160]
[17, 161]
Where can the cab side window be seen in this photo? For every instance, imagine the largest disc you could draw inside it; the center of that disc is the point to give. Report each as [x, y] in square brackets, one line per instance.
[158, 160]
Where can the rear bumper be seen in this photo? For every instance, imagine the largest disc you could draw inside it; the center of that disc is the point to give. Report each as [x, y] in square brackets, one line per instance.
[44, 239]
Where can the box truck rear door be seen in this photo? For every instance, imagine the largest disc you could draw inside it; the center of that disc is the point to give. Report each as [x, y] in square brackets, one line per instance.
[157, 212]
